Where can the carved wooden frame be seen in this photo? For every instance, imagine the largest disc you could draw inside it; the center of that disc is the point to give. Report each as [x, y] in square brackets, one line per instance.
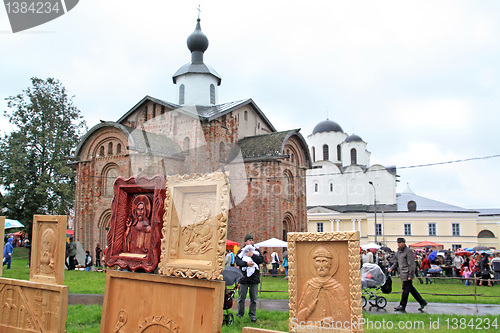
[352, 239]
[124, 191]
[178, 190]
[195, 303]
[48, 228]
[32, 306]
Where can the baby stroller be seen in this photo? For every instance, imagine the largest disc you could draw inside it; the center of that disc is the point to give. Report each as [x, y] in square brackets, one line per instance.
[231, 276]
[373, 281]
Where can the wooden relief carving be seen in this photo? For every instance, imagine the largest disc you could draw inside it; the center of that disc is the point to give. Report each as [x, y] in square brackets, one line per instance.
[48, 249]
[324, 281]
[175, 306]
[195, 226]
[2, 231]
[136, 220]
[32, 307]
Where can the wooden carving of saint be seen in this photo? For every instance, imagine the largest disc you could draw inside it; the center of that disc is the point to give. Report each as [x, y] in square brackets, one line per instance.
[323, 298]
[138, 232]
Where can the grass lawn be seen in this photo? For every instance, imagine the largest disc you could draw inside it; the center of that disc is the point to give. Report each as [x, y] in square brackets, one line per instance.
[83, 318]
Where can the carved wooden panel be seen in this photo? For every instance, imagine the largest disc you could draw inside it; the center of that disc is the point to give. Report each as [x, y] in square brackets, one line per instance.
[48, 248]
[32, 307]
[136, 220]
[324, 281]
[195, 227]
[2, 235]
[135, 302]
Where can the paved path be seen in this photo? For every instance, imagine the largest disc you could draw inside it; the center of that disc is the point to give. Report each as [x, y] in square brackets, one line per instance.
[282, 305]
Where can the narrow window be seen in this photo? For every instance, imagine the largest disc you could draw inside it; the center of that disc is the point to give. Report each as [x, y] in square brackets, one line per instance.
[154, 111]
[101, 151]
[110, 148]
[354, 158]
[331, 187]
[118, 149]
[316, 187]
[314, 153]
[319, 227]
[455, 229]
[407, 227]
[378, 229]
[223, 121]
[432, 229]
[181, 94]
[326, 156]
[162, 112]
[212, 94]
[185, 146]
[339, 153]
[245, 116]
[146, 113]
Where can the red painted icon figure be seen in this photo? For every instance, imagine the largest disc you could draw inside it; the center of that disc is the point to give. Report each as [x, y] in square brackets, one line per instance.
[138, 233]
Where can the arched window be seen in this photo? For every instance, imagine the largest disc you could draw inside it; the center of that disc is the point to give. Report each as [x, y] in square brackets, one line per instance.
[326, 156]
[412, 206]
[181, 94]
[212, 94]
[110, 172]
[185, 145]
[221, 151]
[101, 151]
[314, 153]
[110, 148]
[339, 153]
[287, 186]
[485, 234]
[354, 157]
[118, 149]
[245, 116]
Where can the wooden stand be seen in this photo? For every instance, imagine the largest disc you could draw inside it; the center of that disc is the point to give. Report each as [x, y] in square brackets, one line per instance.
[133, 302]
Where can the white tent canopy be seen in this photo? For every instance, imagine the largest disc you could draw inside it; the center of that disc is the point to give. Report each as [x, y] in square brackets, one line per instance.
[370, 246]
[12, 224]
[273, 242]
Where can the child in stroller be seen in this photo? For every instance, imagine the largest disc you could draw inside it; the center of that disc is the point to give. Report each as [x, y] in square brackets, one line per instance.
[231, 276]
[373, 280]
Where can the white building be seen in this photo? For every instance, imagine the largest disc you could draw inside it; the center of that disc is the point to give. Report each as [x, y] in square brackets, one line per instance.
[342, 177]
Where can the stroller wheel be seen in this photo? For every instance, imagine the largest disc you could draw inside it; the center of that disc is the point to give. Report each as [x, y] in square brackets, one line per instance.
[381, 302]
[229, 319]
[363, 300]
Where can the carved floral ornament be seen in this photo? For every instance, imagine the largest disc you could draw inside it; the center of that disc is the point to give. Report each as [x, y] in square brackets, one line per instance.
[195, 226]
[319, 281]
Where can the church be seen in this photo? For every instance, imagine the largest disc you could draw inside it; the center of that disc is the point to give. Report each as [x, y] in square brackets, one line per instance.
[196, 134]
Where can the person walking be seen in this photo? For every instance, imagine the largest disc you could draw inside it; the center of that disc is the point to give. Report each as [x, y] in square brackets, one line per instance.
[71, 254]
[7, 252]
[426, 265]
[457, 265]
[249, 283]
[275, 261]
[406, 263]
[98, 254]
[285, 262]
[484, 267]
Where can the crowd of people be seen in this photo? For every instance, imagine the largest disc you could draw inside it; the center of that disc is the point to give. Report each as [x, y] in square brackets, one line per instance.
[480, 267]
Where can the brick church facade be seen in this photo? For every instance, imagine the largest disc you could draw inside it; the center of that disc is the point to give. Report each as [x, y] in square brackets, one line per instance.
[267, 168]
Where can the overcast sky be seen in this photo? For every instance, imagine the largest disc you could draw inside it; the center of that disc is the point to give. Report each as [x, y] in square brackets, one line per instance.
[419, 81]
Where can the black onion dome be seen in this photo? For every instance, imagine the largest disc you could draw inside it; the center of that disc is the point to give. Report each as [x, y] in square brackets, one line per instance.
[197, 41]
[327, 126]
[353, 138]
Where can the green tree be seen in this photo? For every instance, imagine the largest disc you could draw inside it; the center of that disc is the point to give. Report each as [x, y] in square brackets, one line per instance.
[34, 171]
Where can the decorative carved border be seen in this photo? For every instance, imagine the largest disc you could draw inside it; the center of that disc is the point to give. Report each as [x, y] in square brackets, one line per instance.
[170, 262]
[2, 234]
[352, 239]
[49, 232]
[124, 191]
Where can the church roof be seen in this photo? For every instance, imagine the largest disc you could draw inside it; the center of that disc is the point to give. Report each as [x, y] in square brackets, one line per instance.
[268, 146]
[426, 204]
[327, 126]
[353, 138]
[196, 68]
[207, 113]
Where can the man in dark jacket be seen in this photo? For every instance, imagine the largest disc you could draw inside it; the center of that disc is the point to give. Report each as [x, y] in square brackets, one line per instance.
[249, 283]
[406, 263]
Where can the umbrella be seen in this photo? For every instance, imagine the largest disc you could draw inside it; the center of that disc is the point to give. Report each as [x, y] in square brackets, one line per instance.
[230, 243]
[480, 248]
[385, 248]
[231, 274]
[433, 255]
[463, 253]
[419, 250]
[446, 251]
[69, 233]
[12, 224]
[273, 242]
[370, 246]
